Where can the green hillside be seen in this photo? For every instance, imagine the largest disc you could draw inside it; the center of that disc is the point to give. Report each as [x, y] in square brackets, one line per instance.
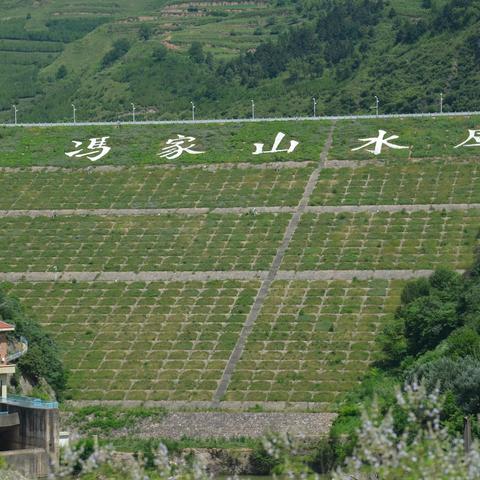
[146, 269]
[102, 56]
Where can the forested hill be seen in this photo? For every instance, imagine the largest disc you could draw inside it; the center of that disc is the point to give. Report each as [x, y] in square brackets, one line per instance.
[161, 55]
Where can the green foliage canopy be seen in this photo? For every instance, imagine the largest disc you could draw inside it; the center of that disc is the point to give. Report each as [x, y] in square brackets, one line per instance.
[43, 357]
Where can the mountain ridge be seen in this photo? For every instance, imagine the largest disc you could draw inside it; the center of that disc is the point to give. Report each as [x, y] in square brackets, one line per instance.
[279, 54]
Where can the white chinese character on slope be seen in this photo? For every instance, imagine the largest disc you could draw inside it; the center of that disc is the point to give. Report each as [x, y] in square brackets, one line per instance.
[378, 142]
[472, 135]
[176, 146]
[278, 139]
[97, 149]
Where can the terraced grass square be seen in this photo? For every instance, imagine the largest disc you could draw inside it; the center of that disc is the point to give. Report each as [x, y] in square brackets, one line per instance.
[142, 341]
[351, 241]
[428, 137]
[144, 243]
[313, 341]
[400, 183]
[143, 187]
[137, 145]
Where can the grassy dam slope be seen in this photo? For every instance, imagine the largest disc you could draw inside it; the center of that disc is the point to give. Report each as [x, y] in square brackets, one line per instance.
[225, 276]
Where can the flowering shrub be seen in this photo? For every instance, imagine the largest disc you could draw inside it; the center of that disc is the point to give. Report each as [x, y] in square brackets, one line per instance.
[89, 462]
[114, 465]
[422, 450]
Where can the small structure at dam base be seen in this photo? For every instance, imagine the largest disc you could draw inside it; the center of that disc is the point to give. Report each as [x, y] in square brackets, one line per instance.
[29, 427]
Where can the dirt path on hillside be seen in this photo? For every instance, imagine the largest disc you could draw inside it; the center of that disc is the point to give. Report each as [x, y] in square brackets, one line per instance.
[306, 275]
[211, 167]
[131, 212]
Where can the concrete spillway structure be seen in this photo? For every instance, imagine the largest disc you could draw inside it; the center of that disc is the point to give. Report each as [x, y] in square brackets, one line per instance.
[29, 427]
[29, 435]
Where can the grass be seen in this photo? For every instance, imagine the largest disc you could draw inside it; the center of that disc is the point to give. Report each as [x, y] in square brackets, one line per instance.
[313, 340]
[224, 29]
[140, 444]
[419, 240]
[142, 341]
[233, 143]
[400, 183]
[142, 187]
[146, 243]
[137, 145]
[171, 340]
[426, 138]
[104, 420]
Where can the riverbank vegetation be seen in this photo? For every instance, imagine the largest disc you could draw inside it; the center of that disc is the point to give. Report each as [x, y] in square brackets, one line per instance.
[41, 368]
[433, 339]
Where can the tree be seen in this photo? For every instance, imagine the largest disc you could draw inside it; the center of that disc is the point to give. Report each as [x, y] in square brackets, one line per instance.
[160, 53]
[119, 49]
[196, 53]
[423, 448]
[428, 320]
[430, 310]
[209, 60]
[145, 31]
[42, 359]
[61, 72]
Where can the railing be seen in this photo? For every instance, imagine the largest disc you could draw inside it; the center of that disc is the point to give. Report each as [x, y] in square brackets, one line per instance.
[21, 348]
[240, 120]
[29, 402]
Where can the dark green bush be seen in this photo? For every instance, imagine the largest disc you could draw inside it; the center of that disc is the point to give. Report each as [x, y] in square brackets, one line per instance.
[262, 462]
[119, 49]
[393, 343]
[463, 342]
[324, 458]
[415, 289]
[460, 376]
[429, 312]
[61, 72]
[428, 320]
[160, 53]
[43, 357]
[195, 52]
[446, 283]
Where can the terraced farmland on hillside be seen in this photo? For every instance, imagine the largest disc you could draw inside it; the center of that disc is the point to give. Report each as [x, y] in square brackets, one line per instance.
[380, 241]
[154, 188]
[139, 341]
[313, 340]
[228, 276]
[427, 181]
[158, 243]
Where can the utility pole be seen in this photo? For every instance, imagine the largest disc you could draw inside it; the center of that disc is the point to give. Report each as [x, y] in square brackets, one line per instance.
[193, 111]
[15, 113]
[441, 102]
[74, 113]
[377, 101]
[314, 107]
[133, 111]
[253, 109]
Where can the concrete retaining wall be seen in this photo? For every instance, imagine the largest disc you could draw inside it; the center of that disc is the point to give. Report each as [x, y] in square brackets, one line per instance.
[31, 462]
[31, 446]
[39, 428]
